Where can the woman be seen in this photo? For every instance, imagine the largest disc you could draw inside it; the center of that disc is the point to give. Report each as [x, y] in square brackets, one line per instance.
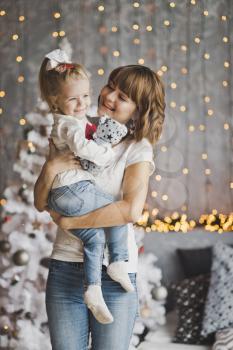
[134, 96]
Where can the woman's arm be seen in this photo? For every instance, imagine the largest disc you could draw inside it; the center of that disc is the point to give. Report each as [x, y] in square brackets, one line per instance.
[55, 164]
[129, 209]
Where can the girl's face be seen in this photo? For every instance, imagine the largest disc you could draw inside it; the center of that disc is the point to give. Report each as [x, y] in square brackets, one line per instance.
[74, 97]
[116, 104]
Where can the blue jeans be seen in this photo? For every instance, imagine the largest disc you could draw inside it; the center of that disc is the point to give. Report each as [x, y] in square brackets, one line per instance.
[70, 321]
[81, 198]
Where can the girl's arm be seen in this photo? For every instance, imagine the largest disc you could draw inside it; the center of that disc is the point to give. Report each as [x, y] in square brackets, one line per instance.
[55, 164]
[129, 209]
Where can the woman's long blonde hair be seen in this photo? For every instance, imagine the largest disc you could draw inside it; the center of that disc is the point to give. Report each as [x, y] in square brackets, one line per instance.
[144, 87]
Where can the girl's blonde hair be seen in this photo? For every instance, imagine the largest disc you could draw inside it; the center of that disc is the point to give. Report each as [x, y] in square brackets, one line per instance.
[146, 90]
[50, 81]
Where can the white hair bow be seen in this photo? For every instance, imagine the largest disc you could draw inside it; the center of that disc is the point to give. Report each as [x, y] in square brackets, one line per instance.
[56, 57]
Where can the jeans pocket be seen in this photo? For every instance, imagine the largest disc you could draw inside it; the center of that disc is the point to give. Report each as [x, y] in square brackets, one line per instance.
[66, 201]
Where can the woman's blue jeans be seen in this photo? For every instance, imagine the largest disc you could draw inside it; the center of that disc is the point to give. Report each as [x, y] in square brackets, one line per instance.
[78, 199]
[70, 321]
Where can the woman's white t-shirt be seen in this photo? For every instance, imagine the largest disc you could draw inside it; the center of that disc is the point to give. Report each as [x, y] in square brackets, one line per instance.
[67, 247]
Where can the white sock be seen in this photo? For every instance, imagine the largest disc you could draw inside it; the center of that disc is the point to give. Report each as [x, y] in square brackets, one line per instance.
[118, 272]
[93, 297]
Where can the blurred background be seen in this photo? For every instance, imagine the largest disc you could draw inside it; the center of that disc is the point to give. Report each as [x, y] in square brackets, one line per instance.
[189, 44]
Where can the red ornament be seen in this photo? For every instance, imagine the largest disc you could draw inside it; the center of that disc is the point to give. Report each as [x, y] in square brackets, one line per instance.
[7, 218]
[141, 250]
[90, 129]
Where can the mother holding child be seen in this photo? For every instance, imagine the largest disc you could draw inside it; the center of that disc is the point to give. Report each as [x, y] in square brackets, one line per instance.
[94, 184]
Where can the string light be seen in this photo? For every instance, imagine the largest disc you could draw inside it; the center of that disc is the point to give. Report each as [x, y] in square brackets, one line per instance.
[226, 126]
[3, 202]
[141, 61]
[2, 13]
[184, 70]
[21, 18]
[166, 23]
[206, 56]
[20, 79]
[135, 26]
[15, 37]
[164, 68]
[19, 58]
[55, 34]
[22, 121]
[165, 197]
[225, 39]
[193, 2]
[114, 29]
[197, 40]
[2, 93]
[226, 64]
[185, 171]
[136, 41]
[57, 15]
[158, 177]
[173, 104]
[225, 83]
[154, 194]
[204, 156]
[207, 171]
[202, 127]
[210, 112]
[149, 28]
[191, 128]
[173, 85]
[136, 4]
[164, 149]
[183, 48]
[182, 108]
[172, 4]
[1, 110]
[62, 33]
[101, 8]
[116, 53]
[207, 99]
[101, 71]
[205, 13]
[231, 185]
[224, 18]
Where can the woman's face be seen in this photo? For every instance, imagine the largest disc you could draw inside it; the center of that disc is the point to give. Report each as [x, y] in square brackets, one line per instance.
[116, 104]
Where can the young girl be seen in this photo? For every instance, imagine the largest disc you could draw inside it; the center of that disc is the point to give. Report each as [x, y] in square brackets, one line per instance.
[65, 87]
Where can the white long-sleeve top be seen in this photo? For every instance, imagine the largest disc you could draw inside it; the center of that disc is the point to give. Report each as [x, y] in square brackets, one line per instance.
[68, 132]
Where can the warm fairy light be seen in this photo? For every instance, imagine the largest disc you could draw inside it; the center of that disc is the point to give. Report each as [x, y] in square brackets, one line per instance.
[154, 194]
[204, 156]
[2, 202]
[22, 121]
[231, 185]
[160, 73]
[55, 34]
[2, 93]
[214, 212]
[149, 28]
[184, 70]
[226, 64]
[1, 110]
[158, 177]
[135, 26]
[155, 211]
[136, 4]
[114, 29]
[197, 40]
[225, 39]
[226, 126]
[224, 18]
[165, 197]
[191, 128]
[20, 79]
[136, 41]
[57, 15]
[116, 53]
[164, 149]
[141, 61]
[207, 171]
[166, 23]
[185, 171]
[21, 18]
[173, 85]
[210, 112]
[183, 208]
[205, 13]
[19, 58]
[193, 2]
[164, 68]
[101, 8]
[15, 37]
[172, 4]
[173, 104]
[207, 99]
[202, 127]
[2, 13]
[62, 33]
[144, 218]
[101, 71]
[183, 48]
[182, 108]
[225, 83]
[206, 56]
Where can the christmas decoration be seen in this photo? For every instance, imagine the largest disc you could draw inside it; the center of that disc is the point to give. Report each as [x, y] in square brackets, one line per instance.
[21, 257]
[5, 246]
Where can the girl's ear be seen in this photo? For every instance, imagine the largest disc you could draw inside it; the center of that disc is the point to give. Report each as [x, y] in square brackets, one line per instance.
[53, 103]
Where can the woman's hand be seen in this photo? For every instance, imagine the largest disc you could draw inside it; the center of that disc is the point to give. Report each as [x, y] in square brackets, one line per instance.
[58, 161]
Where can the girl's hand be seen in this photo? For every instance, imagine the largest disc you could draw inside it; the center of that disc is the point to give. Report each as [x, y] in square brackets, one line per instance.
[58, 162]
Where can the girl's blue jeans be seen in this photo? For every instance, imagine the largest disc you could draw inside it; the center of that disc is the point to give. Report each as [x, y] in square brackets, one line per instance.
[70, 322]
[81, 198]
